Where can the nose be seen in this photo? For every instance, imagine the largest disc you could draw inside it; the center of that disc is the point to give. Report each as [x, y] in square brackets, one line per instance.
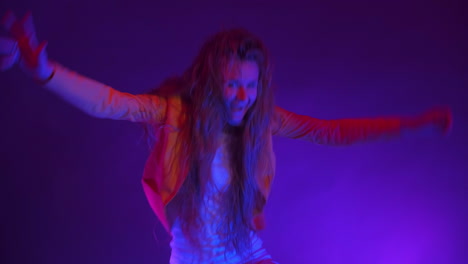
[241, 94]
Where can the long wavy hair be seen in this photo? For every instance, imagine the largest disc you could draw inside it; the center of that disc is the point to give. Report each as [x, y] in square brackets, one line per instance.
[200, 88]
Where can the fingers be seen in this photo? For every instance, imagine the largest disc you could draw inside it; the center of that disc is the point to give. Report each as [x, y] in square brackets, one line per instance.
[8, 20]
[28, 28]
[41, 52]
[8, 61]
[441, 117]
[9, 53]
[7, 46]
[24, 33]
[24, 47]
[20, 28]
[28, 53]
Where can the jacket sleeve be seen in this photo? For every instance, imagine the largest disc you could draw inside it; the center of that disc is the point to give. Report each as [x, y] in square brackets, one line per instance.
[337, 132]
[102, 101]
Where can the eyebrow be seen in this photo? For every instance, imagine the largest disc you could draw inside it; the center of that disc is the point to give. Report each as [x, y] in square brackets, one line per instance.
[237, 80]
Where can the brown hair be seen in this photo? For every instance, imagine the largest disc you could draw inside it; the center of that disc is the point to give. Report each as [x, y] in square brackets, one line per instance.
[201, 90]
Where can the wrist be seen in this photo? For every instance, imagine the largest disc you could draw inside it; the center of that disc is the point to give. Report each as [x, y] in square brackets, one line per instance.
[45, 75]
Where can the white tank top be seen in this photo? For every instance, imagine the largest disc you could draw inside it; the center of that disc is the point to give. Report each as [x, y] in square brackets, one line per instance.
[213, 250]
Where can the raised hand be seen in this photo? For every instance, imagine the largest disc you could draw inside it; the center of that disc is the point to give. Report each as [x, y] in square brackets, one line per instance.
[439, 117]
[9, 53]
[23, 47]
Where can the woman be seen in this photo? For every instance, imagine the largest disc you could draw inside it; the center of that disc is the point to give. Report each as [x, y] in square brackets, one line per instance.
[210, 171]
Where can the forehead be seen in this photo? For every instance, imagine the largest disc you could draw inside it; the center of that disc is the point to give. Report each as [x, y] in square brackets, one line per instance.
[241, 70]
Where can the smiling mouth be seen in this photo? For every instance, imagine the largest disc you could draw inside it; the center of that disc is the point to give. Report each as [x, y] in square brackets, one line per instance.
[238, 109]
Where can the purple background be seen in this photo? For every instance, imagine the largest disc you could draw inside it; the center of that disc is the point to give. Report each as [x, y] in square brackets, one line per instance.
[70, 184]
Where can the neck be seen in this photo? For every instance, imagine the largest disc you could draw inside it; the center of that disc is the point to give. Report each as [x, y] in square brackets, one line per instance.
[232, 130]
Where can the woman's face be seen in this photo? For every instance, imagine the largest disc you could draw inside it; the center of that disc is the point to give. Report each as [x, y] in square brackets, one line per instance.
[240, 89]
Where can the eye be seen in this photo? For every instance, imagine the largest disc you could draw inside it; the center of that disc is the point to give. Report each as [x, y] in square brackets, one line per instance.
[252, 85]
[231, 84]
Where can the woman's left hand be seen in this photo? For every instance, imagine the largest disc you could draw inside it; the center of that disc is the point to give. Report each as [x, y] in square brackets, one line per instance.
[439, 117]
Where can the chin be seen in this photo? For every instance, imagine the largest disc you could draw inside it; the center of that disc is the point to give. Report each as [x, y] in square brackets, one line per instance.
[236, 121]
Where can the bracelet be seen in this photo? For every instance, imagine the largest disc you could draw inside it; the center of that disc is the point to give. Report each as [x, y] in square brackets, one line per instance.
[45, 81]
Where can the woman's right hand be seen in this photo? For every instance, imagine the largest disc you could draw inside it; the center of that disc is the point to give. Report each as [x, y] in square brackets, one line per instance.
[23, 48]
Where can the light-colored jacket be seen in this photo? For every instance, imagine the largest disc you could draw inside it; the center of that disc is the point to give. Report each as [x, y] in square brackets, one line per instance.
[161, 182]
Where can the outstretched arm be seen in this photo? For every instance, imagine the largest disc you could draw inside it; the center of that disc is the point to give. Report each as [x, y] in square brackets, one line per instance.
[90, 96]
[102, 101]
[349, 131]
